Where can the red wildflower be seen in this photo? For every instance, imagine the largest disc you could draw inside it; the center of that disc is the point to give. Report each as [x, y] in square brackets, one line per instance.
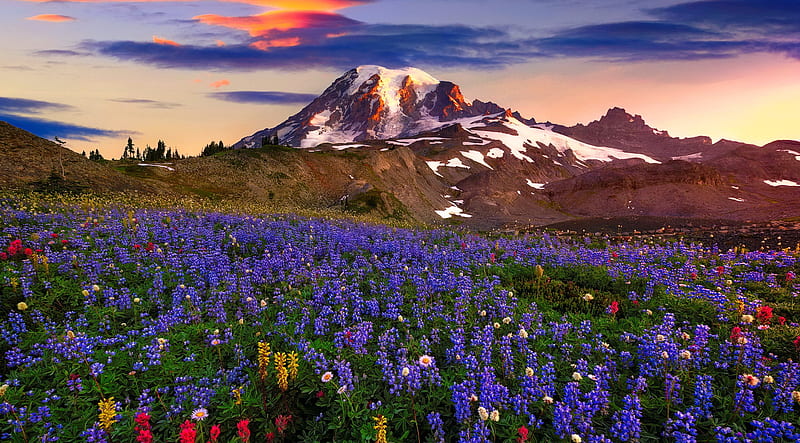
[214, 433]
[614, 254]
[144, 434]
[28, 251]
[736, 333]
[764, 314]
[188, 433]
[137, 246]
[3, 256]
[790, 276]
[64, 241]
[492, 257]
[150, 247]
[243, 430]
[320, 394]
[720, 270]
[281, 422]
[54, 235]
[270, 437]
[797, 343]
[781, 320]
[613, 308]
[693, 275]
[523, 434]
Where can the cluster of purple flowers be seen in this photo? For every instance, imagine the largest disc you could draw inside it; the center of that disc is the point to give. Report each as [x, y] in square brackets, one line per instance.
[417, 313]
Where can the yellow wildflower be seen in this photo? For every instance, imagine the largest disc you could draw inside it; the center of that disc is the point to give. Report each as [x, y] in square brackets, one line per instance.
[294, 363]
[282, 373]
[263, 359]
[22, 306]
[380, 426]
[108, 413]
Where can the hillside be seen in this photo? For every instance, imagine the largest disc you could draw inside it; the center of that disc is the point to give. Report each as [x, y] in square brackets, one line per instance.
[33, 163]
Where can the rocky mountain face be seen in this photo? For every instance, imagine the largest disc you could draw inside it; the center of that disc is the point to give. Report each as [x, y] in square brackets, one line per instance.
[373, 103]
[501, 168]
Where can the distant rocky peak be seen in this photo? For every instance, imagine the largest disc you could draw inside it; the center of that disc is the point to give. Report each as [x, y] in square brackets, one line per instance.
[619, 117]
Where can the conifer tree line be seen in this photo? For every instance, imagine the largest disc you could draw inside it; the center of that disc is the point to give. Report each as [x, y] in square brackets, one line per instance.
[94, 155]
[160, 153]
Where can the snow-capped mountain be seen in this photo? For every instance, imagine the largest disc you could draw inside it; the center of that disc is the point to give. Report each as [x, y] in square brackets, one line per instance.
[374, 103]
[444, 157]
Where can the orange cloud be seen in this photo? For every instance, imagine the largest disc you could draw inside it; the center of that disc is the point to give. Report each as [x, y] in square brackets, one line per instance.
[52, 18]
[276, 43]
[220, 83]
[220, 43]
[304, 5]
[163, 41]
[297, 5]
[280, 20]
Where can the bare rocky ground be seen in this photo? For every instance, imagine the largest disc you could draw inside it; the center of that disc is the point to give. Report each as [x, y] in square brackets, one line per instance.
[724, 234]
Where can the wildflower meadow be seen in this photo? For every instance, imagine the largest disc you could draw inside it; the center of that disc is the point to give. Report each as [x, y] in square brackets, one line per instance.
[125, 324]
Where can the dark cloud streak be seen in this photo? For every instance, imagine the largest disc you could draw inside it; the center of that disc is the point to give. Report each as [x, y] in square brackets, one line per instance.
[146, 102]
[264, 97]
[28, 106]
[49, 128]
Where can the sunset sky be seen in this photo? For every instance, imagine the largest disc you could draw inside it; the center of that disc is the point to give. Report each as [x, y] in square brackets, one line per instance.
[94, 72]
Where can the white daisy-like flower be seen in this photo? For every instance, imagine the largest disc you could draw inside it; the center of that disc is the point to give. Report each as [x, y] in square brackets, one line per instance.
[327, 376]
[199, 414]
[426, 360]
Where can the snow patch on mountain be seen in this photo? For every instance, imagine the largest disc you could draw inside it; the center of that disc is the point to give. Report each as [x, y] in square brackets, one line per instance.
[781, 183]
[477, 157]
[451, 211]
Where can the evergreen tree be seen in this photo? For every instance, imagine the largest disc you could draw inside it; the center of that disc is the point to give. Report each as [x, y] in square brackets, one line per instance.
[128, 152]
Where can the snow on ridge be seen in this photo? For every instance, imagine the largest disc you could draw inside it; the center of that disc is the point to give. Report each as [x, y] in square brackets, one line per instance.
[536, 185]
[781, 183]
[695, 156]
[456, 163]
[544, 134]
[434, 165]
[355, 145]
[477, 157]
[736, 199]
[495, 153]
[408, 141]
[451, 211]
[157, 166]
[794, 153]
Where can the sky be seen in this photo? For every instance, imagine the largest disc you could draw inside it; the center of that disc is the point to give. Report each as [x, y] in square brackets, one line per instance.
[95, 72]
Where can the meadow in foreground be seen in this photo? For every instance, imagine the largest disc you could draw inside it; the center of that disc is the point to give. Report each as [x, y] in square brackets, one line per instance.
[142, 325]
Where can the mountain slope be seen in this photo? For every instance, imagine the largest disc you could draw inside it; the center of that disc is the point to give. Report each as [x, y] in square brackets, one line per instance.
[31, 162]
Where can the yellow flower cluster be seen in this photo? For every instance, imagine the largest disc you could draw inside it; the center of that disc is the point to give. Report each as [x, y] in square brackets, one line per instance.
[380, 426]
[263, 359]
[294, 363]
[282, 371]
[108, 413]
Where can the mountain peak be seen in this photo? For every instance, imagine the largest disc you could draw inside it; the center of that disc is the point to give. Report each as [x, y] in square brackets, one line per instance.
[394, 76]
[373, 102]
[617, 116]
